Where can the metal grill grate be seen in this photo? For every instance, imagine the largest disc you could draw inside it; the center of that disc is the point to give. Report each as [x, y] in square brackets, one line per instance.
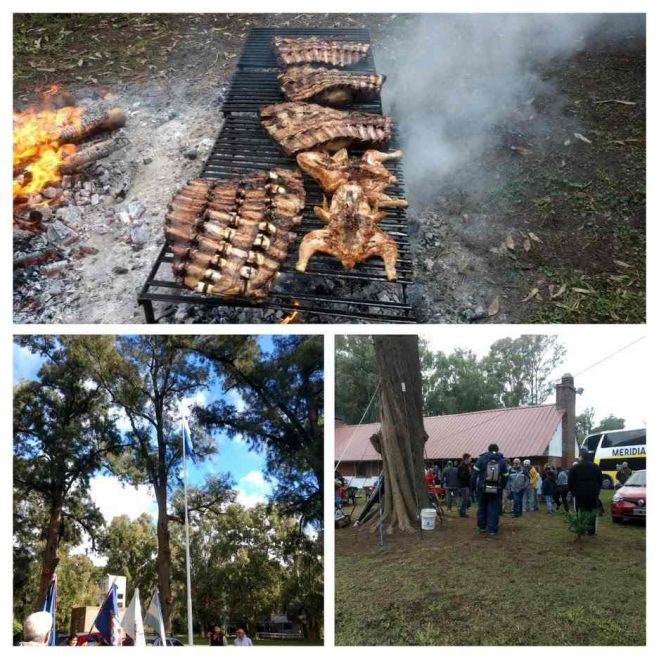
[325, 290]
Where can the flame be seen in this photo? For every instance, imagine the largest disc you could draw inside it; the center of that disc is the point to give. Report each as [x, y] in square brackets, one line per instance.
[37, 152]
[291, 316]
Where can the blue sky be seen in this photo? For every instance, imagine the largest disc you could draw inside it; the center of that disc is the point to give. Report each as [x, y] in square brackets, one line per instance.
[245, 466]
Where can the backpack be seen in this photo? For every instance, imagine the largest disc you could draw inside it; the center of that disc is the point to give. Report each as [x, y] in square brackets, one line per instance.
[492, 477]
[341, 520]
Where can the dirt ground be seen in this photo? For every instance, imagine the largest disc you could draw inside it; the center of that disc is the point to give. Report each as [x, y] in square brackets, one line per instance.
[558, 237]
[531, 585]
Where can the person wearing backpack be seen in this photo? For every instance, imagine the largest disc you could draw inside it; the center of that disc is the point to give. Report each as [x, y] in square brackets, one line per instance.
[488, 479]
[560, 496]
[518, 481]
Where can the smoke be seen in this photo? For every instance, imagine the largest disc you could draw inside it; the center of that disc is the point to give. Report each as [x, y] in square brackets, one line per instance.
[455, 80]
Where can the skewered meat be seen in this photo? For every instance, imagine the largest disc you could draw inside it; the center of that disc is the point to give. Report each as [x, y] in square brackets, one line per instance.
[330, 86]
[369, 171]
[352, 234]
[305, 126]
[299, 50]
[229, 237]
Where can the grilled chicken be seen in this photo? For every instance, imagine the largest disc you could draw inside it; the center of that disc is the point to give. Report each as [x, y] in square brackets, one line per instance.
[328, 86]
[369, 171]
[229, 237]
[306, 126]
[301, 50]
[352, 234]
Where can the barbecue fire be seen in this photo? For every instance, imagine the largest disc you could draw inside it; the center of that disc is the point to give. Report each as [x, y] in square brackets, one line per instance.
[37, 153]
[292, 317]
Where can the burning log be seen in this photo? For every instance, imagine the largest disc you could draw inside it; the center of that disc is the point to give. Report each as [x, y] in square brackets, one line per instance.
[87, 155]
[92, 120]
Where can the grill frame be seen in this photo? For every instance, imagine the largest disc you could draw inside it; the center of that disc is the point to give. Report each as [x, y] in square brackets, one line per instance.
[243, 146]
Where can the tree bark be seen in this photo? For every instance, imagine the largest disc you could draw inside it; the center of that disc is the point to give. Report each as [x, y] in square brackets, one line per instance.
[164, 557]
[402, 435]
[50, 560]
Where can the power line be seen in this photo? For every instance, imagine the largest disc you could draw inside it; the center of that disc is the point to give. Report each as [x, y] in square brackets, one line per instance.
[613, 354]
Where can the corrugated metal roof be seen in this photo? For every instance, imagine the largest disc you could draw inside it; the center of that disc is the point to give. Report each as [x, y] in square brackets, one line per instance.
[519, 432]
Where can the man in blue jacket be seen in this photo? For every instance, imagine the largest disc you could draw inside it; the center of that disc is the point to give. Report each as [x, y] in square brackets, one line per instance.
[488, 480]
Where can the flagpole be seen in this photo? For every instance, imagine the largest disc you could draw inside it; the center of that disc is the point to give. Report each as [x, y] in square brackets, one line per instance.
[187, 541]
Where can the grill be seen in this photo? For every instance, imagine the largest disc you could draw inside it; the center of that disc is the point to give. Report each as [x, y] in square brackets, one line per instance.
[325, 290]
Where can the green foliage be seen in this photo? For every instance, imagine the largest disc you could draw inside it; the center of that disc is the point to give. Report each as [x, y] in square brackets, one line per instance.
[584, 424]
[514, 372]
[131, 549]
[279, 410]
[579, 522]
[610, 422]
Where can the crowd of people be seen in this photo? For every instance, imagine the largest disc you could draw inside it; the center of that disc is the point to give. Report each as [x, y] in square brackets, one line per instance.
[497, 487]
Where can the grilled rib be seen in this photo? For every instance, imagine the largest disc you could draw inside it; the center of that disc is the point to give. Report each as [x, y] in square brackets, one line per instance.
[300, 50]
[330, 86]
[305, 126]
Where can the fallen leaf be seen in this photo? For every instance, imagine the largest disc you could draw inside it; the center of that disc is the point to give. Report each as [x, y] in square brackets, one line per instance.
[581, 137]
[558, 293]
[615, 100]
[527, 245]
[532, 294]
[622, 264]
[532, 236]
[586, 291]
[493, 309]
[510, 243]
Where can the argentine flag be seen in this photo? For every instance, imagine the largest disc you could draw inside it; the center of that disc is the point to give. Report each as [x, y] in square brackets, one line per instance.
[187, 440]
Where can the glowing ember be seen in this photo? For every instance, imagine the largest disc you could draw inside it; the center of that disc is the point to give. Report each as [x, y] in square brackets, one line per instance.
[292, 316]
[37, 152]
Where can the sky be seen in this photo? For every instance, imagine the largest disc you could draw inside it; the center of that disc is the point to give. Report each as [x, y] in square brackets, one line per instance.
[233, 455]
[609, 387]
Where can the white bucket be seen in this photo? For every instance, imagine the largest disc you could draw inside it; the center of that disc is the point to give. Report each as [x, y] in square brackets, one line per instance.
[428, 516]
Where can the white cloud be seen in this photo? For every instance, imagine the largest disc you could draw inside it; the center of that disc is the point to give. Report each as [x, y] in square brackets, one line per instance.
[254, 479]
[249, 500]
[115, 498]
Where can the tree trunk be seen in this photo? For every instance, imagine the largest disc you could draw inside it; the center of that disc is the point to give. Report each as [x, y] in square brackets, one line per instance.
[164, 558]
[50, 560]
[402, 435]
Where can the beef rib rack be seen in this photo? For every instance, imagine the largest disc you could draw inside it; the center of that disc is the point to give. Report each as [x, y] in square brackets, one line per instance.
[328, 86]
[230, 236]
[305, 50]
[305, 126]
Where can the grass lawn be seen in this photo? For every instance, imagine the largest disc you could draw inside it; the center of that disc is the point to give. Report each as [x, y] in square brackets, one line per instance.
[532, 585]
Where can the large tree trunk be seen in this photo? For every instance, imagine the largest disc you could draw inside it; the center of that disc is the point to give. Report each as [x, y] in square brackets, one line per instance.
[402, 435]
[50, 560]
[164, 558]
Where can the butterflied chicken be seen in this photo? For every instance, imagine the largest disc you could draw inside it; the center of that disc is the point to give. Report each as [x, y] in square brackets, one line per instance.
[306, 126]
[352, 234]
[230, 236]
[332, 171]
[328, 86]
[301, 50]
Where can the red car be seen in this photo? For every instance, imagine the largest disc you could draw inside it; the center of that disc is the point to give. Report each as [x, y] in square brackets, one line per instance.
[630, 501]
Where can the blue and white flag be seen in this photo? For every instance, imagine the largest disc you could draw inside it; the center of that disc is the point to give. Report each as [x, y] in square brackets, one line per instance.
[107, 620]
[50, 605]
[187, 439]
[153, 618]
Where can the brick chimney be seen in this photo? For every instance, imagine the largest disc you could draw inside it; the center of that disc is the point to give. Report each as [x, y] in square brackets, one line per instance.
[566, 396]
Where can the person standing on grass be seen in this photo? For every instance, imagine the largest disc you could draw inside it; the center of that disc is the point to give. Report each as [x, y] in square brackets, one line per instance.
[530, 502]
[217, 636]
[488, 479]
[585, 483]
[518, 482]
[549, 487]
[242, 640]
[623, 473]
[561, 490]
[464, 480]
[452, 484]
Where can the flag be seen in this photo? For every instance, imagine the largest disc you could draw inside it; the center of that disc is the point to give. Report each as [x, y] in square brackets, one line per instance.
[50, 605]
[132, 621]
[153, 617]
[187, 439]
[107, 620]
